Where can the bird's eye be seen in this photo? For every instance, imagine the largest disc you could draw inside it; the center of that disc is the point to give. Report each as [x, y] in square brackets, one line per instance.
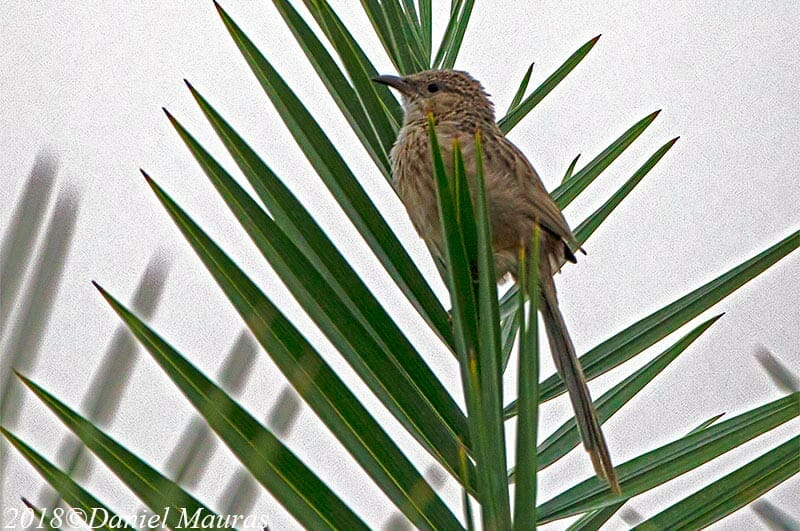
[433, 87]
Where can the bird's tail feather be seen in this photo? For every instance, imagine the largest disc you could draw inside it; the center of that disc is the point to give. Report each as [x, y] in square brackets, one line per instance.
[571, 372]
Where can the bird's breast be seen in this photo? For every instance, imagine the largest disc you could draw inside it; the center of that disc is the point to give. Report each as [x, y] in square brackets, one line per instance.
[412, 178]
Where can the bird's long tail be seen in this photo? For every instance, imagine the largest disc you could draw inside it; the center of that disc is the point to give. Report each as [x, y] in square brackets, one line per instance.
[571, 372]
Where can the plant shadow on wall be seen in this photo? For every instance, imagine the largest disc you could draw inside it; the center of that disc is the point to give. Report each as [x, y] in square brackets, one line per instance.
[481, 330]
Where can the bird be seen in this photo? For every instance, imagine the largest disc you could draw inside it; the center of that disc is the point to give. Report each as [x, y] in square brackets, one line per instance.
[517, 200]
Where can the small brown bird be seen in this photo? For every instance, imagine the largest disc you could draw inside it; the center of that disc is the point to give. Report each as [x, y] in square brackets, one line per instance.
[517, 200]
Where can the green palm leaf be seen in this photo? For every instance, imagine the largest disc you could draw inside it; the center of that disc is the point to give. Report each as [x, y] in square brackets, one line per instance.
[584, 231]
[731, 492]
[523, 86]
[405, 32]
[570, 169]
[578, 182]
[152, 487]
[289, 214]
[266, 458]
[647, 331]
[490, 356]
[69, 490]
[670, 461]
[572, 186]
[454, 34]
[467, 246]
[338, 177]
[304, 495]
[359, 68]
[519, 111]
[382, 374]
[528, 385]
[368, 120]
[644, 333]
[591, 224]
[394, 32]
[594, 519]
[426, 26]
[566, 437]
[384, 357]
[706, 423]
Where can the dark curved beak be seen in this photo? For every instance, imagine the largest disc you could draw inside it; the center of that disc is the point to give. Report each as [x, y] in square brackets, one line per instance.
[395, 82]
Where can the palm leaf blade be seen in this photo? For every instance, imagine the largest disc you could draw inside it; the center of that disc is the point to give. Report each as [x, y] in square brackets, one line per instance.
[706, 423]
[511, 119]
[596, 518]
[426, 26]
[566, 437]
[645, 332]
[490, 357]
[374, 135]
[593, 520]
[523, 86]
[382, 375]
[385, 34]
[338, 177]
[290, 215]
[658, 466]
[731, 492]
[590, 224]
[457, 35]
[573, 184]
[570, 189]
[405, 33]
[570, 169]
[298, 489]
[528, 386]
[464, 313]
[372, 343]
[381, 105]
[328, 396]
[71, 492]
[153, 488]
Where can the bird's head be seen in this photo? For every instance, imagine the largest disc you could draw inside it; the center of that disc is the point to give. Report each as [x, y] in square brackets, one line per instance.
[447, 94]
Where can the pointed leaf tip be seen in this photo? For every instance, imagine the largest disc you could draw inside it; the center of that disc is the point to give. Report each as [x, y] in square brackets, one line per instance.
[191, 87]
[221, 11]
[99, 288]
[150, 182]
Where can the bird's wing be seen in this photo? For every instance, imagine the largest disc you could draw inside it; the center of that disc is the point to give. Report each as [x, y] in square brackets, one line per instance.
[549, 215]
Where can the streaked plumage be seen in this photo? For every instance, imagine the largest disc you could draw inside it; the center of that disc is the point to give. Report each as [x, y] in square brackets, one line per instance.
[517, 200]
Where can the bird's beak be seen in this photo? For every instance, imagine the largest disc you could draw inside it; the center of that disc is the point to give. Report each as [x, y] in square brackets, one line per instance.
[395, 82]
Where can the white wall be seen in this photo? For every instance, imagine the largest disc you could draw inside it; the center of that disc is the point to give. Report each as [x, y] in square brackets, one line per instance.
[87, 80]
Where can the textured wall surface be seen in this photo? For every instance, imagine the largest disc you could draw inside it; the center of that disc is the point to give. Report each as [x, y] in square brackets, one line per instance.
[86, 82]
